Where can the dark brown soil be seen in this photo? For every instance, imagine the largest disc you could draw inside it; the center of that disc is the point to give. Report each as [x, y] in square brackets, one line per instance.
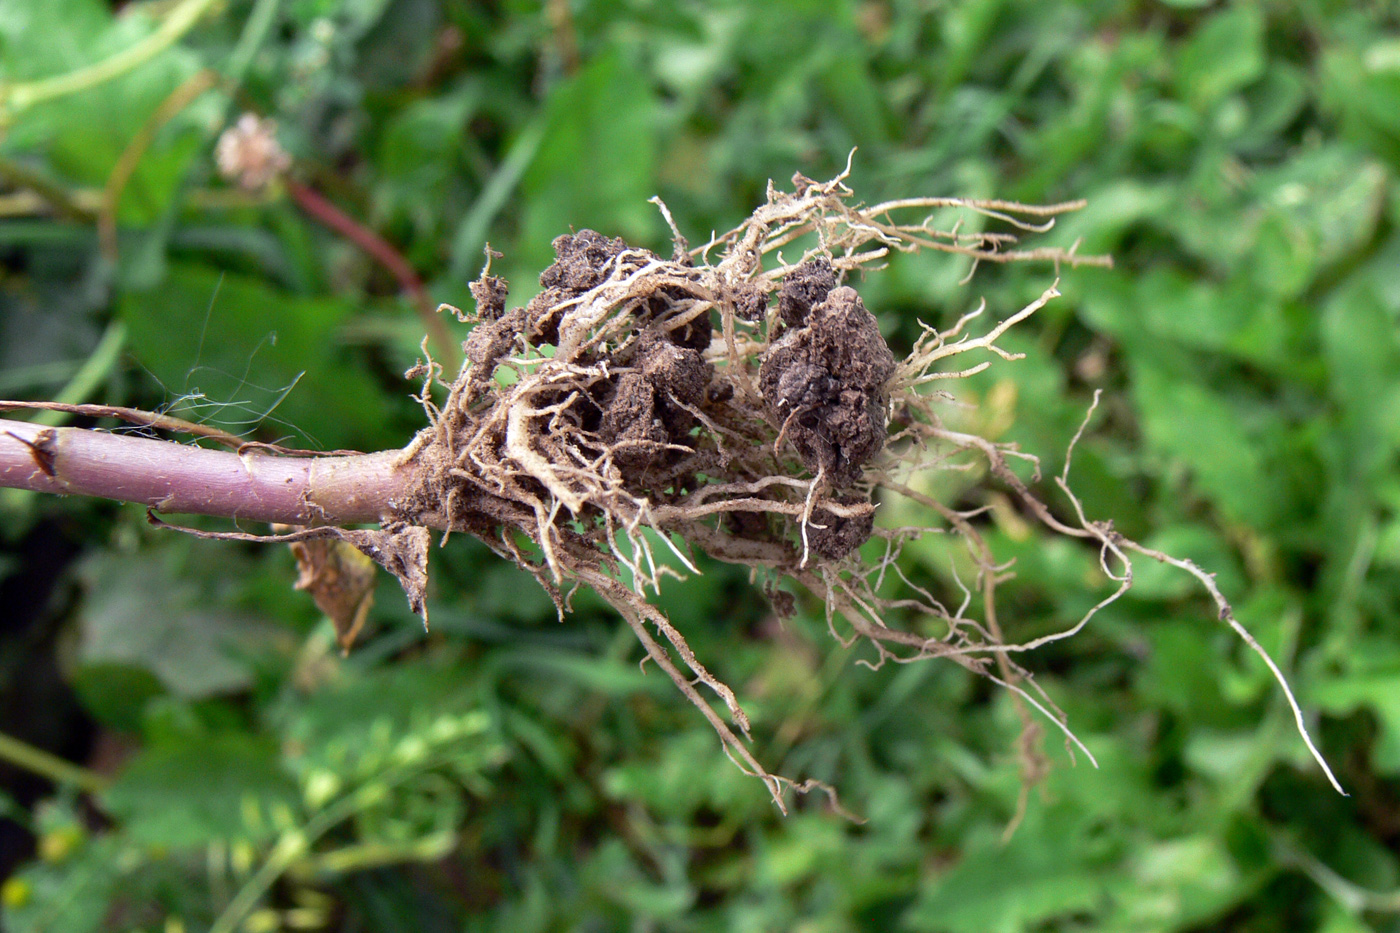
[632, 426]
[750, 302]
[807, 286]
[824, 380]
[583, 261]
[491, 340]
[833, 537]
[489, 291]
[679, 372]
[650, 411]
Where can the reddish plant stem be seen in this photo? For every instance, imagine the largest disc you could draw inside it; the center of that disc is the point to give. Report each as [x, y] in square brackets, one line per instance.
[177, 478]
[382, 252]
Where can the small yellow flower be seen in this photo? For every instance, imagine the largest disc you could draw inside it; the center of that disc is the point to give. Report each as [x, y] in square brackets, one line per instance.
[59, 843]
[15, 893]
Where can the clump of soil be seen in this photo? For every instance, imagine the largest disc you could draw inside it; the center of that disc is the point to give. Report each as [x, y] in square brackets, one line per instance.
[649, 415]
[807, 286]
[490, 293]
[631, 425]
[492, 339]
[653, 407]
[825, 378]
[832, 536]
[582, 262]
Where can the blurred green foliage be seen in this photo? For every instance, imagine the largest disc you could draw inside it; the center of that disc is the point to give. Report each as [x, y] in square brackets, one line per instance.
[508, 772]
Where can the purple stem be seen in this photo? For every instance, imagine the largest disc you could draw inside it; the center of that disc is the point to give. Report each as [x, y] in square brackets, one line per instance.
[177, 478]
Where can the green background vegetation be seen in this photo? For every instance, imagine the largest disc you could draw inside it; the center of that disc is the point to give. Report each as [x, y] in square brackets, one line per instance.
[508, 772]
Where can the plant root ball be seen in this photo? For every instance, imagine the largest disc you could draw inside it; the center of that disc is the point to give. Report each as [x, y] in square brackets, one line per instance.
[825, 381]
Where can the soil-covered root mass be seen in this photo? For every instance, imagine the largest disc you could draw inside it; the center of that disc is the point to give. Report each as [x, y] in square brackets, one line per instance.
[638, 402]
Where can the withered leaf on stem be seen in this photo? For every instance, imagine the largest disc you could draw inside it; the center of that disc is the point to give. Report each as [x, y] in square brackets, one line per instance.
[340, 578]
[401, 549]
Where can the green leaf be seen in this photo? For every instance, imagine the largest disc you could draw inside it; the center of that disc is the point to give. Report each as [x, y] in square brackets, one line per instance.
[116, 694]
[203, 788]
[1363, 363]
[1192, 425]
[1006, 889]
[1181, 671]
[82, 135]
[1273, 103]
[597, 164]
[1223, 55]
[30, 51]
[364, 724]
[419, 157]
[1370, 681]
[1178, 883]
[1362, 84]
[1332, 196]
[235, 352]
[74, 896]
[614, 873]
[149, 612]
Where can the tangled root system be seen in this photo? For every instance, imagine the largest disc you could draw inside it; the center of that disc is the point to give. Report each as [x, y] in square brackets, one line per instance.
[743, 408]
